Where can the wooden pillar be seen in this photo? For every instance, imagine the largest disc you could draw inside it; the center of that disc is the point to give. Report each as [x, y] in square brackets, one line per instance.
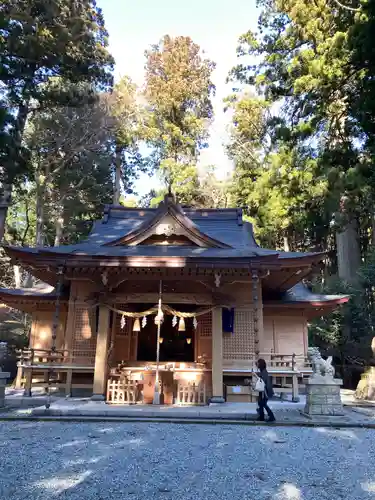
[255, 301]
[28, 382]
[217, 357]
[18, 381]
[102, 343]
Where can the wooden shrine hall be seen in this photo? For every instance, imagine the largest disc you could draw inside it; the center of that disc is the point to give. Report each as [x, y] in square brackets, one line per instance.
[170, 305]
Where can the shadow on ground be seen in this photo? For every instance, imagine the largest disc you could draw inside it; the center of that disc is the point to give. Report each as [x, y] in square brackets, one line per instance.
[142, 461]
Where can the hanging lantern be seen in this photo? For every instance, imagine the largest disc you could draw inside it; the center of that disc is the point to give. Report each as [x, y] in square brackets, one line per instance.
[122, 322]
[195, 323]
[159, 318]
[161, 340]
[174, 321]
[136, 325]
[144, 321]
[181, 325]
[188, 340]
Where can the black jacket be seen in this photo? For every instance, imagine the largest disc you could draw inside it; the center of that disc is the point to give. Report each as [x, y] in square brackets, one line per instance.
[267, 382]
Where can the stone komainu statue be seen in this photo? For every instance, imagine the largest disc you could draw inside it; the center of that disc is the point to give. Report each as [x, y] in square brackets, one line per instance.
[320, 366]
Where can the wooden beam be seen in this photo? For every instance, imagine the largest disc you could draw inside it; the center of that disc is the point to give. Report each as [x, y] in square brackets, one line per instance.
[217, 357]
[152, 298]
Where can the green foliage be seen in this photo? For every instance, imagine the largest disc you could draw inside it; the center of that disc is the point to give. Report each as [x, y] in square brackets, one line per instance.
[278, 182]
[303, 145]
[305, 67]
[38, 41]
[178, 93]
[71, 165]
[348, 331]
[130, 132]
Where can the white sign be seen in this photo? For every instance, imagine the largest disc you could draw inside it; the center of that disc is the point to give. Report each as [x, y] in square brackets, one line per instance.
[236, 389]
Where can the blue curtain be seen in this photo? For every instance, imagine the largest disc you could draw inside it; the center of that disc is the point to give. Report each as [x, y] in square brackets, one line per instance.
[227, 317]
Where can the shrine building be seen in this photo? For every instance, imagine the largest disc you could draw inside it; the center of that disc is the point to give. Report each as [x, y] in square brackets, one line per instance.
[169, 305]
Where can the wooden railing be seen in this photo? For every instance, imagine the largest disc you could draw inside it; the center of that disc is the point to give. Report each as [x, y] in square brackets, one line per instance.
[275, 361]
[123, 391]
[35, 357]
[40, 367]
[191, 393]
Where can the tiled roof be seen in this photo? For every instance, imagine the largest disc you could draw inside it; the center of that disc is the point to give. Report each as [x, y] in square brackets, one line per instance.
[227, 234]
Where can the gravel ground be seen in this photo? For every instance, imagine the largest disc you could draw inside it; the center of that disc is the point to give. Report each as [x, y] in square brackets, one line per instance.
[139, 461]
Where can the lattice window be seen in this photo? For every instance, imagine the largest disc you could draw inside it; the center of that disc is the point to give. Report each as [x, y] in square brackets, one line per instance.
[84, 338]
[204, 328]
[240, 344]
[126, 331]
[204, 338]
[125, 340]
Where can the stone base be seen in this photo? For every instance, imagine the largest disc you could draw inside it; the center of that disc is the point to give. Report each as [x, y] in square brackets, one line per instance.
[217, 400]
[97, 397]
[3, 380]
[366, 386]
[323, 397]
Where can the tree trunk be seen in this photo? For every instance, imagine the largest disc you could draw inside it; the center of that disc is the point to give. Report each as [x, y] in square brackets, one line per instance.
[117, 186]
[348, 252]
[17, 276]
[39, 238]
[18, 131]
[59, 227]
[373, 230]
[40, 214]
[4, 204]
[286, 244]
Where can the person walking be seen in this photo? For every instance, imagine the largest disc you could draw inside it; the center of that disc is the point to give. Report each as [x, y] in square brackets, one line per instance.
[265, 395]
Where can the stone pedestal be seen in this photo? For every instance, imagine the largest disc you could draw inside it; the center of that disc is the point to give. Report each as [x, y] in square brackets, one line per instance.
[3, 380]
[323, 396]
[366, 386]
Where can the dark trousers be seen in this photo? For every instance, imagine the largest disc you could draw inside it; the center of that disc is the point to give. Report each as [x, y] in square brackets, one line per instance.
[262, 403]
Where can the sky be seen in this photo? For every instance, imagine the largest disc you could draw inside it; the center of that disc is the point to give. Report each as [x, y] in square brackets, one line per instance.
[215, 25]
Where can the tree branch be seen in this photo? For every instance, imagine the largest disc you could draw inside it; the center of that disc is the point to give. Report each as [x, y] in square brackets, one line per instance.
[347, 7]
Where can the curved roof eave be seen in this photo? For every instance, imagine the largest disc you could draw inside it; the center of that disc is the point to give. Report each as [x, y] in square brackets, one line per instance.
[29, 255]
[300, 295]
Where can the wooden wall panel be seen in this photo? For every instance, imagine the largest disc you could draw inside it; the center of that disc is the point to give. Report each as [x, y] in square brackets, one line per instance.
[41, 330]
[289, 334]
[268, 344]
[240, 292]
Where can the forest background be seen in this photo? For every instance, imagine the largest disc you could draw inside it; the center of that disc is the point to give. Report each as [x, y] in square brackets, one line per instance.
[300, 139]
